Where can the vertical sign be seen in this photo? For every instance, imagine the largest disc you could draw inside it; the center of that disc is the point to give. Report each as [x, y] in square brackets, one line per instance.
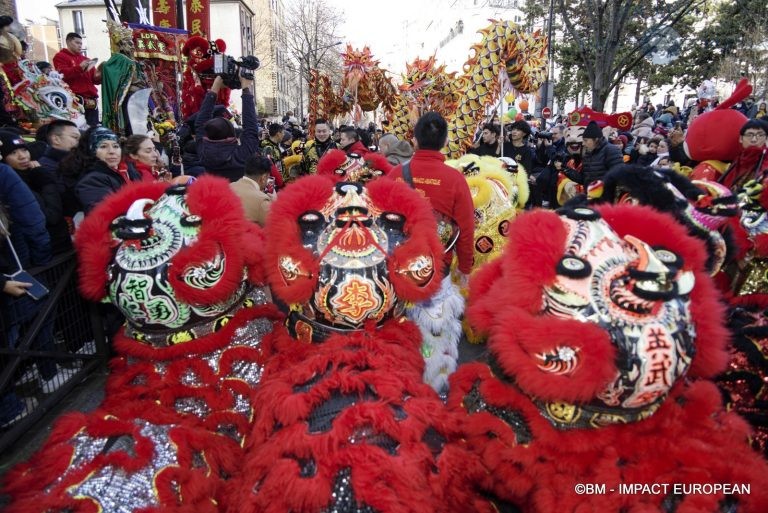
[164, 13]
[199, 18]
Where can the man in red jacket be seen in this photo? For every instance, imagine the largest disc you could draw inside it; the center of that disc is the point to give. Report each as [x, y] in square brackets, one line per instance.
[443, 186]
[80, 73]
[350, 142]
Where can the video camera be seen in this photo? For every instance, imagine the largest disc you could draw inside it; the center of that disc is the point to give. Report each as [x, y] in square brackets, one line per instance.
[231, 69]
[544, 135]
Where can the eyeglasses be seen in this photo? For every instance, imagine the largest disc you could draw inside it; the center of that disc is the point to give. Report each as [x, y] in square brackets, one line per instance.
[754, 135]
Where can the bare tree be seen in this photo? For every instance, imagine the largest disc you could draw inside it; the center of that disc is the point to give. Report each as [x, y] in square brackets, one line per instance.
[312, 39]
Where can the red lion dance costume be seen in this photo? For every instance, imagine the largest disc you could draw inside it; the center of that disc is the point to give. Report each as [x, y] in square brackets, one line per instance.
[199, 53]
[346, 423]
[604, 330]
[180, 263]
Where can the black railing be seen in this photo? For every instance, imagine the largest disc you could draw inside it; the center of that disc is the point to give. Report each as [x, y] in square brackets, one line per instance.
[61, 334]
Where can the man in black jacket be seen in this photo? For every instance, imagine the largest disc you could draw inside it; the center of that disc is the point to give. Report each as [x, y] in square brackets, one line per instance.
[488, 144]
[217, 146]
[600, 157]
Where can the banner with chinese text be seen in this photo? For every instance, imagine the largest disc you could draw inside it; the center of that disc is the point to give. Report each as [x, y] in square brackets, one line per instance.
[152, 42]
[199, 17]
[164, 13]
[159, 50]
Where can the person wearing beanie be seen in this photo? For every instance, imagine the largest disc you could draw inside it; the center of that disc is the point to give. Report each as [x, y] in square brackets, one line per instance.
[600, 157]
[25, 225]
[98, 167]
[592, 131]
[218, 149]
[44, 185]
[399, 152]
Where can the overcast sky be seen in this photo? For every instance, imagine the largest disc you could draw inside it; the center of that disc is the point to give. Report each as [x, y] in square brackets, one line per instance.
[34, 9]
[365, 24]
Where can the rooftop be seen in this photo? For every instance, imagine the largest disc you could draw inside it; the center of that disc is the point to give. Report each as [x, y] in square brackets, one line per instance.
[85, 3]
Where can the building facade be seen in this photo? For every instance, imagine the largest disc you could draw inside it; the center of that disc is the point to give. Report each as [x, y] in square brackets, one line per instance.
[275, 89]
[8, 8]
[43, 38]
[87, 18]
[249, 27]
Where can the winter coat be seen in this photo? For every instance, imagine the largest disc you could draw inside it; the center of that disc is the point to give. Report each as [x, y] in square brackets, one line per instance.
[226, 157]
[27, 225]
[597, 163]
[46, 188]
[644, 129]
[449, 194]
[50, 161]
[98, 182]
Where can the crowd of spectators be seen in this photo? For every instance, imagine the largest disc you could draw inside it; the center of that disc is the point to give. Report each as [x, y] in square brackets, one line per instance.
[48, 183]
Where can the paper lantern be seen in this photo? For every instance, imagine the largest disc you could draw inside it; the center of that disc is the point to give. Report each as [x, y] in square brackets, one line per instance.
[509, 97]
[524, 106]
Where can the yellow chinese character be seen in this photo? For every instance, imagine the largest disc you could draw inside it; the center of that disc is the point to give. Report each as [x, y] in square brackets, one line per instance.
[165, 23]
[140, 44]
[151, 45]
[197, 28]
[196, 7]
[162, 7]
[161, 47]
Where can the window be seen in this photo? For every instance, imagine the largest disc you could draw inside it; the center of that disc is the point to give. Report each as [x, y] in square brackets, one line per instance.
[77, 21]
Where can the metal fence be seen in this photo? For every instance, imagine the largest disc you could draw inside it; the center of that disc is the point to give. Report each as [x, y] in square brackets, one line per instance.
[47, 347]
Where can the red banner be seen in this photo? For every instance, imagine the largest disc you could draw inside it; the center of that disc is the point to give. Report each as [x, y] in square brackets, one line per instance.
[150, 43]
[199, 17]
[164, 13]
[160, 52]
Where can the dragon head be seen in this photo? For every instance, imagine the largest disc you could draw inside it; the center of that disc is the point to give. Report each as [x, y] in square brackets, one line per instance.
[428, 87]
[357, 64]
[48, 96]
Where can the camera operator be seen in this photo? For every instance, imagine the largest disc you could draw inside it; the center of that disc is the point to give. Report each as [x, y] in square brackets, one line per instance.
[550, 147]
[217, 145]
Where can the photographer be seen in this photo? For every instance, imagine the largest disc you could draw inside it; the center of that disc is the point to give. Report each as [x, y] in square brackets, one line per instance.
[550, 149]
[217, 145]
[549, 145]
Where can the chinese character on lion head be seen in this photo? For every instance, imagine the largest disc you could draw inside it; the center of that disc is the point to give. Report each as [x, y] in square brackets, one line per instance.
[604, 333]
[183, 265]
